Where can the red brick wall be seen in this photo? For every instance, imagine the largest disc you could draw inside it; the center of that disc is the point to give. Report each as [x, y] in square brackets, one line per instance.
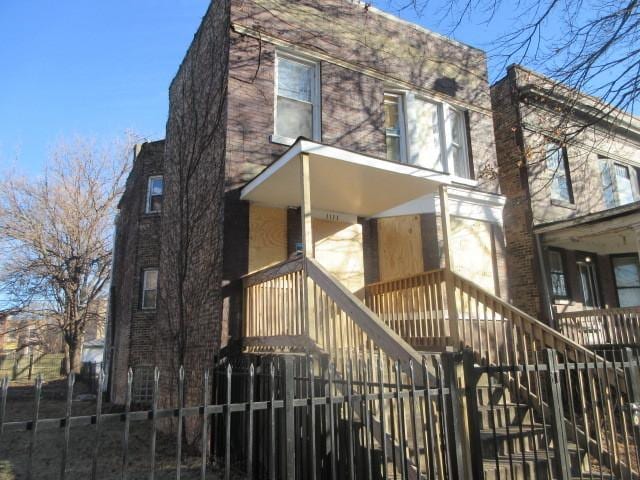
[137, 246]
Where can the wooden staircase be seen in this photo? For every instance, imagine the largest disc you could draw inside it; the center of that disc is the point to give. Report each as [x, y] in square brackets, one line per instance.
[299, 306]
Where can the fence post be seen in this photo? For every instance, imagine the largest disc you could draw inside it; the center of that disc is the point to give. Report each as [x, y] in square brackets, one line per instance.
[458, 439]
[632, 374]
[30, 365]
[473, 419]
[556, 409]
[289, 418]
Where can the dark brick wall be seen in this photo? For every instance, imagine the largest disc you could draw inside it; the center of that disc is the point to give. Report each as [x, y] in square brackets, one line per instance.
[137, 246]
[521, 255]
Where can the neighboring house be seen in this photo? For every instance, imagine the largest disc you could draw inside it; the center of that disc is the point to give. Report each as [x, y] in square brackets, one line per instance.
[385, 114]
[569, 167]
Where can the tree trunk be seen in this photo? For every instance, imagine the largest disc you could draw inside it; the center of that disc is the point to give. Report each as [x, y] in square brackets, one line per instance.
[72, 357]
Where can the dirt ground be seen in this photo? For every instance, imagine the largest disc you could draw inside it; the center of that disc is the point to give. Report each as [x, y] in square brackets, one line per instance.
[14, 446]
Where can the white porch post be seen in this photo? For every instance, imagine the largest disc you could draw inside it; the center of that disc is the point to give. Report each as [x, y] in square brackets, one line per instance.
[636, 228]
[308, 249]
[452, 307]
[305, 208]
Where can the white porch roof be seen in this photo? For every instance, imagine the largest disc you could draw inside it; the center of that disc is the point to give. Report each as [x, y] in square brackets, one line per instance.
[611, 231]
[341, 181]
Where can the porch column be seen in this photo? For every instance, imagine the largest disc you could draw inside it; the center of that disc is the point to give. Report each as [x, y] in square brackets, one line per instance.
[305, 207]
[636, 228]
[308, 249]
[446, 226]
[452, 306]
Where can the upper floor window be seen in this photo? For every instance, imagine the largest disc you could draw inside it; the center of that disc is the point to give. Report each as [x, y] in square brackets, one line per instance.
[556, 164]
[558, 276]
[297, 111]
[617, 184]
[458, 159]
[438, 137]
[149, 288]
[155, 191]
[394, 127]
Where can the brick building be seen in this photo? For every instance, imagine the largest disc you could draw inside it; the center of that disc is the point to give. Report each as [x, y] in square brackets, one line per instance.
[392, 124]
[569, 167]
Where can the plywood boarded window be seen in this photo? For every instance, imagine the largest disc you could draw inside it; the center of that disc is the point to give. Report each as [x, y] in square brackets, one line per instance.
[471, 245]
[338, 248]
[399, 247]
[267, 237]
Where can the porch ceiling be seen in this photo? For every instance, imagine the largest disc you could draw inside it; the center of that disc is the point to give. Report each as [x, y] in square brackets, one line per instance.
[605, 233]
[341, 181]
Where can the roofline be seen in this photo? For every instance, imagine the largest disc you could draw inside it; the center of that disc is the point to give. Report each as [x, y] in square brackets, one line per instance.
[584, 101]
[397, 19]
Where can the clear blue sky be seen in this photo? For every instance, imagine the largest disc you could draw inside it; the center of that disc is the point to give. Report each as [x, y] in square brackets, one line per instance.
[99, 68]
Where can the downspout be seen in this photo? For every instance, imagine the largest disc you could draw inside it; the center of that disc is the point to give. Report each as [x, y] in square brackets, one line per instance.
[108, 337]
[546, 294]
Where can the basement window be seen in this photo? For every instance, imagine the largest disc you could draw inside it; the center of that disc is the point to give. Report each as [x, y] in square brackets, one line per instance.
[155, 190]
[142, 388]
[149, 289]
[297, 109]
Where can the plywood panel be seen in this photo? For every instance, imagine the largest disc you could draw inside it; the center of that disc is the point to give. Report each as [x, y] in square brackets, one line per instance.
[472, 253]
[267, 236]
[338, 248]
[399, 246]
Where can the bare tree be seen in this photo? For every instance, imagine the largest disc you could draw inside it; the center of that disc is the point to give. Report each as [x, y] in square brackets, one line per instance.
[56, 236]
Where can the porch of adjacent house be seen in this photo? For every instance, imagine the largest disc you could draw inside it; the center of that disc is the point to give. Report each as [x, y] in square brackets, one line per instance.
[592, 276]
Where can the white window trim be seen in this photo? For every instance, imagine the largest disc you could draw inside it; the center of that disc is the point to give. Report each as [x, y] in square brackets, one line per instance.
[315, 95]
[448, 141]
[144, 281]
[149, 181]
[444, 134]
[402, 120]
[633, 179]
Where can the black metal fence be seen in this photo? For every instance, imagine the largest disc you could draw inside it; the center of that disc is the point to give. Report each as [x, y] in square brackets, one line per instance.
[292, 416]
[280, 417]
[576, 418]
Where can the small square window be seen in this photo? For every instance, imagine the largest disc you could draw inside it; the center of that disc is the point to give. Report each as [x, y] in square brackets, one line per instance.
[155, 191]
[142, 388]
[149, 289]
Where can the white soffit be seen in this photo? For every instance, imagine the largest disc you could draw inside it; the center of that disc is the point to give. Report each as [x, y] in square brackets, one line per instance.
[462, 203]
[341, 181]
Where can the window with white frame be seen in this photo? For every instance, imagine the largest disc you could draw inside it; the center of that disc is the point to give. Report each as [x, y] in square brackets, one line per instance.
[394, 127]
[149, 288]
[556, 164]
[438, 137]
[456, 131]
[617, 183]
[297, 111]
[155, 190]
